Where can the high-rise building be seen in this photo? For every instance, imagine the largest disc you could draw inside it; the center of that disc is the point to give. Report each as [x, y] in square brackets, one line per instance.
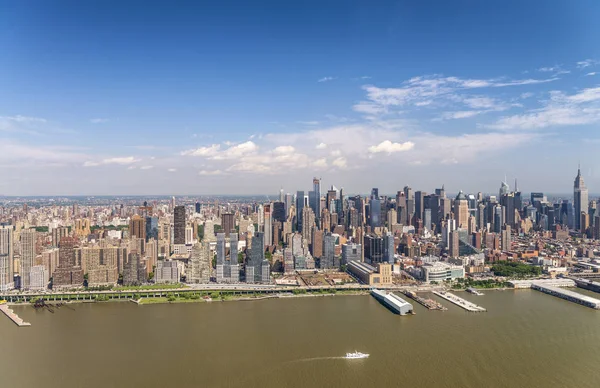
[315, 199]
[137, 227]
[166, 271]
[268, 225]
[453, 246]
[27, 255]
[506, 238]
[6, 258]
[461, 209]
[278, 212]
[388, 248]
[38, 278]
[198, 207]
[351, 252]
[151, 228]
[68, 272]
[328, 257]
[257, 266]
[580, 193]
[227, 223]
[179, 224]
[299, 208]
[198, 270]
[375, 212]
[234, 267]
[308, 223]
[222, 267]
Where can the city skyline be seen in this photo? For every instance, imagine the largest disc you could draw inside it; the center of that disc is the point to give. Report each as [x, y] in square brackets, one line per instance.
[208, 100]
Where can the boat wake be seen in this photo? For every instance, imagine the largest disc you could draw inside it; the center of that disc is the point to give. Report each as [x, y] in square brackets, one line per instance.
[318, 359]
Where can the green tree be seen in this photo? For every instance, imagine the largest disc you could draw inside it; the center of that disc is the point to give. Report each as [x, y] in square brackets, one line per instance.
[240, 258]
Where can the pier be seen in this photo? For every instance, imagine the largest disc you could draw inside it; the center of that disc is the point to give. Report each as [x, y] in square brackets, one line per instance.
[429, 303]
[571, 296]
[393, 302]
[587, 284]
[465, 304]
[14, 317]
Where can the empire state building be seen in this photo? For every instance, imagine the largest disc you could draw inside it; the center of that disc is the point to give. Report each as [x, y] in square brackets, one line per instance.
[580, 194]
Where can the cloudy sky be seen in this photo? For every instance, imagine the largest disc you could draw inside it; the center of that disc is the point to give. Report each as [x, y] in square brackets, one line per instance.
[228, 98]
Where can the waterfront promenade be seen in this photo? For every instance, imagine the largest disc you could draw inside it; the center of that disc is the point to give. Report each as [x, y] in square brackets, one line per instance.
[235, 289]
[13, 317]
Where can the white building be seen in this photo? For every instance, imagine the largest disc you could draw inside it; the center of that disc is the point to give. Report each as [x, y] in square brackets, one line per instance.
[440, 271]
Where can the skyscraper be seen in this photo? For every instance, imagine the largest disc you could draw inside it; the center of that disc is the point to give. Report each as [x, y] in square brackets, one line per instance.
[328, 257]
[220, 251]
[198, 270]
[375, 212]
[68, 272]
[278, 212]
[6, 258]
[268, 225]
[179, 224]
[137, 227]
[315, 204]
[227, 223]
[234, 267]
[299, 207]
[461, 208]
[27, 255]
[580, 193]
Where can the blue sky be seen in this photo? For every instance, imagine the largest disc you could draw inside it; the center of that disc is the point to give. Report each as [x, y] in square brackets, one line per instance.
[244, 97]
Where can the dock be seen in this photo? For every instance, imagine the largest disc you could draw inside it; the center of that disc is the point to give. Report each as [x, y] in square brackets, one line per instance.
[429, 303]
[393, 302]
[465, 304]
[571, 296]
[587, 284]
[14, 317]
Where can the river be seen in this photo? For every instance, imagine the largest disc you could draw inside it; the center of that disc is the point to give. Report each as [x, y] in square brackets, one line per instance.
[525, 339]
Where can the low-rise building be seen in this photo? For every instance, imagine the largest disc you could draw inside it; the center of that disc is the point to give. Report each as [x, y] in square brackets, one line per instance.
[440, 271]
[381, 275]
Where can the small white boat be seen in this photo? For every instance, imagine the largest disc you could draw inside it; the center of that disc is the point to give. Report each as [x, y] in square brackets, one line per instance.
[356, 355]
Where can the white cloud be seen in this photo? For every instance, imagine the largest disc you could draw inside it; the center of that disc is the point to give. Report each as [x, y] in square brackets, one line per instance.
[325, 79]
[172, 170]
[526, 95]
[320, 163]
[576, 109]
[339, 162]
[24, 119]
[99, 121]
[284, 150]
[463, 114]
[390, 147]
[587, 63]
[321, 146]
[335, 153]
[308, 122]
[210, 172]
[146, 167]
[591, 73]
[423, 90]
[203, 151]
[125, 160]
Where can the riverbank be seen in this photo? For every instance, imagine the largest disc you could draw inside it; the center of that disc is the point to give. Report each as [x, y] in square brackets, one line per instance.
[240, 298]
